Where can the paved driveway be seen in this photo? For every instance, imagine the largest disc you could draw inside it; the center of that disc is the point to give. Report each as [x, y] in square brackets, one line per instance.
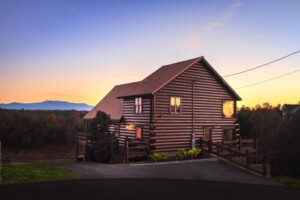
[210, 169]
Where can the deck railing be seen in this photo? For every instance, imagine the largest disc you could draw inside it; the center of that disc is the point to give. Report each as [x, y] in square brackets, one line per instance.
[243, 159]
[136, 148]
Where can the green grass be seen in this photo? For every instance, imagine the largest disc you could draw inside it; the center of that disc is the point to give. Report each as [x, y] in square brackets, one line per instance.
[25, 173]
[288, 181]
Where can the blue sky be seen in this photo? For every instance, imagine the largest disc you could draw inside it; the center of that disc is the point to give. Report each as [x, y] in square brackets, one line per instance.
[78, 50]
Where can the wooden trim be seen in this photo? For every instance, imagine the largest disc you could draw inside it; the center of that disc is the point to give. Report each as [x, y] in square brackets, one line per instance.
[219, 77]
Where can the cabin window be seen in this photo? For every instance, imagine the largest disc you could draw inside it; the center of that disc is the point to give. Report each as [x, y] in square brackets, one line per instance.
[138, 105]
[228, 135]
[138, 132]
[175, 105]
[228, 109]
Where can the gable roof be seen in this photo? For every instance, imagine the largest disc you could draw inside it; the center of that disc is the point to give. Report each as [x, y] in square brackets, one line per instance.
[112, 102]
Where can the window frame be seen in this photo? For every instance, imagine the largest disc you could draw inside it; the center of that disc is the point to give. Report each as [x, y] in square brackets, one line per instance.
[234, 109]
[136, 128]
[180, 107]
[138, 105]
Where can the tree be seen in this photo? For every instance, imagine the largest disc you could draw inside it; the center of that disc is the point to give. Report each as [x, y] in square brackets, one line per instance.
[266, 123]
[243, 119]
[102, 138]
[287, 150]
[99, 126]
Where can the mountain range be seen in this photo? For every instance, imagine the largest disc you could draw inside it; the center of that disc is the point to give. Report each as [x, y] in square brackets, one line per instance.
[47, 105]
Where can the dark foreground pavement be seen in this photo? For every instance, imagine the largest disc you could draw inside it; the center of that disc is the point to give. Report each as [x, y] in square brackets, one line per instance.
[146, 189]
[203, 170]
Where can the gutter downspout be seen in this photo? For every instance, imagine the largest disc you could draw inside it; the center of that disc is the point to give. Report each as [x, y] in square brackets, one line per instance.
[193, 134]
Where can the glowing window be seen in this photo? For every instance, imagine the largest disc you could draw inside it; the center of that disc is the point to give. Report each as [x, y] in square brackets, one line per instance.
[138, 132]
[228, 109]
[175, 105]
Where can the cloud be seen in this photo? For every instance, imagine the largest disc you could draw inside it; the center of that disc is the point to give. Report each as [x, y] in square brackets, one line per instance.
[259, 36]
[233, 8]
[127, 74]
[190, 43]
[212, 25]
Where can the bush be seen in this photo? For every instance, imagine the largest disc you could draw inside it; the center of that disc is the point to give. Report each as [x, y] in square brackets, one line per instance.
[163, 156]
[102, 152]
[194, 152]
[181, 154]
[159, 156]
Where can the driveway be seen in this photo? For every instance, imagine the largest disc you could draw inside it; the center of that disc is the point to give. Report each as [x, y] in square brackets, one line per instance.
[210, 169]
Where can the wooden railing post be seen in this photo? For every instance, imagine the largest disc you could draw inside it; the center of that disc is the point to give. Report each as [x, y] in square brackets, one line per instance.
[148, 153]
[247, 159]
[127, 149]
[218, 149]
[209, 146]
[264, 160]
[200, 143]
[240, 143]
[111, 148]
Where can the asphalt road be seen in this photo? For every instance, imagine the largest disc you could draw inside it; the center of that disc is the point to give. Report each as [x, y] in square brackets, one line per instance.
[146, 189]
[211, 169]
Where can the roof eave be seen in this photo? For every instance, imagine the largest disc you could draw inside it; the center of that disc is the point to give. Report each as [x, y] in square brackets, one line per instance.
[196, 61]
[238, 98]
[134, 95]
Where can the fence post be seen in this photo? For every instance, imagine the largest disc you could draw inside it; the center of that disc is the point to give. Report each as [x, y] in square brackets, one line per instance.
[209, 146]
[111, 148]
[247, 159]
[126, 149]
[200, 143]
[264, 166]
[148, 150]
[240, 143]
[218, 149]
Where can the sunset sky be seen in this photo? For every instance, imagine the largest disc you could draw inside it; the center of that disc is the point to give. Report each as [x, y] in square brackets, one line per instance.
[78, 50]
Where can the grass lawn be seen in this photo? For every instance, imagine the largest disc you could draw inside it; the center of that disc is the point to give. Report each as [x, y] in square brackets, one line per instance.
[288, 181]
[25, 173]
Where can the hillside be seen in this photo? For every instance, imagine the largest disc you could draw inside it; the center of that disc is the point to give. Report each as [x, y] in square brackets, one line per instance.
[47, 105]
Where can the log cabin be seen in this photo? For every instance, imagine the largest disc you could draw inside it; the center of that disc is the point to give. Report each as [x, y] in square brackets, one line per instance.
[173, 106]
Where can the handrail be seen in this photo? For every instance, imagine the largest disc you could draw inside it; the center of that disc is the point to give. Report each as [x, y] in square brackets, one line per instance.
[236, 153]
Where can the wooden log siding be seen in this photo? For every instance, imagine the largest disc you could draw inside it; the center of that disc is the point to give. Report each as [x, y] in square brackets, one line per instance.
[137, 119]
[173, 131]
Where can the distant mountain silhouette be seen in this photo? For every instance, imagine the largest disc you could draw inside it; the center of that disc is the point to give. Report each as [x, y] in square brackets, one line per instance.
[47, 105]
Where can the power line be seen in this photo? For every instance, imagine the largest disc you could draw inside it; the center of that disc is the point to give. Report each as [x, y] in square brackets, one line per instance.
[268, 79]
[260, 66]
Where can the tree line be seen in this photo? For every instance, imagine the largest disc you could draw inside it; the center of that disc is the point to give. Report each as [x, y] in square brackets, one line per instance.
[34, 129]
[277, 139]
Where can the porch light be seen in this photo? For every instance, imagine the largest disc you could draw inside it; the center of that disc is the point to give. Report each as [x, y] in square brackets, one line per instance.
[130, 127]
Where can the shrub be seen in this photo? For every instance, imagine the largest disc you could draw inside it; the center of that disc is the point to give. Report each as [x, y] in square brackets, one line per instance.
[159, 156]
[155, 157]
[194, 152]
[181, 154]
[164, 156]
